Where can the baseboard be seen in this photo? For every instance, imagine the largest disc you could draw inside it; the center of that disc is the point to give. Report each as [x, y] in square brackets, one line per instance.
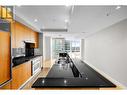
[4, 84]
[107, 76]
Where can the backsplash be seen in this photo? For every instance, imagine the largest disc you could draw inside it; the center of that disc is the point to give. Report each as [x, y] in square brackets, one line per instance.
[18, 52]
[37, 51]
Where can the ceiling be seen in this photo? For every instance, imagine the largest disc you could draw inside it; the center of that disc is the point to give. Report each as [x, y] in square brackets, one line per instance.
[49, 17]
[81, 21]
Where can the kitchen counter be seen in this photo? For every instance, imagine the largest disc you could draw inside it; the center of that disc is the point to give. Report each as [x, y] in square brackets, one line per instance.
[69, 83]
[64, 76]
[60, 71]
[20, 60]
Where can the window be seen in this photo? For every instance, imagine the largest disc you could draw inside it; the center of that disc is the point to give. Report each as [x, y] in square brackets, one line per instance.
[63, 45]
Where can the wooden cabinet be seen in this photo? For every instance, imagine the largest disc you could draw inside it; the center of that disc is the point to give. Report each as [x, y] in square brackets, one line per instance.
[21, 33]
[36, 36]
[20, 74]
[7, 86]
[13, 35]
[27, 33]
[32, 37]
[6, 14]
[4, 56]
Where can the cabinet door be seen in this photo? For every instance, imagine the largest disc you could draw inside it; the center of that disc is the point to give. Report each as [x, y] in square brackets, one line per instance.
[27, 34]
[19, 29]
[4, 56]
[20, 74]
[17, 34]
[21, 33]
[13, 35]
[6, 14]
[32, 38]
[36, 36]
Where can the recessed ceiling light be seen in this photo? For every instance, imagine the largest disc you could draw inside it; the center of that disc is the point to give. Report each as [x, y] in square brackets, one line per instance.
[35, 20]
[118, 7]
[66, 20]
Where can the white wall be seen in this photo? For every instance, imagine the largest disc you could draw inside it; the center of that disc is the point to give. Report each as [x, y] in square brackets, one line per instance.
[82, 49]
[107, 51]
[46, 51]
[41, 43]
[47, 47]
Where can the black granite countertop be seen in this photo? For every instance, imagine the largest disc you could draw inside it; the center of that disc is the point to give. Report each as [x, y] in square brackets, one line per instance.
[69, 82]
[60, 71]
[22, 59]
[64, 76]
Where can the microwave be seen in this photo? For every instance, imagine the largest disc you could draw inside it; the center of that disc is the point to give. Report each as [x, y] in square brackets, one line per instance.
[29, 49]
[29, 45]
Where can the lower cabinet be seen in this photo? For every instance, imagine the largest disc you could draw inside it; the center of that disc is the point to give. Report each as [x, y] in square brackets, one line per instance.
[4, 56]
[20, 74]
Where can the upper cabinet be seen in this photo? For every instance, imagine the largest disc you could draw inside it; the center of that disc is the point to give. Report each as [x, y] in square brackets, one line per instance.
[13, 35]
[21, 33]
[36, 36]
[5, 13]
[27, 33]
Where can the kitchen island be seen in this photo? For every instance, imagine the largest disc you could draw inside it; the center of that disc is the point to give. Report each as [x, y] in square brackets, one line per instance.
[72, 74]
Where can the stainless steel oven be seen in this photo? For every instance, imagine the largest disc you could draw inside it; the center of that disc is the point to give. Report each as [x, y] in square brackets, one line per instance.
[36, 65]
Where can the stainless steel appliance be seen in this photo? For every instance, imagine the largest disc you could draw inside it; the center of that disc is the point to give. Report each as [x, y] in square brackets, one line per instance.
[36, 65]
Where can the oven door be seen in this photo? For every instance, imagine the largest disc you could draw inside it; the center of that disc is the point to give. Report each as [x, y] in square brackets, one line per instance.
[36, 66]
